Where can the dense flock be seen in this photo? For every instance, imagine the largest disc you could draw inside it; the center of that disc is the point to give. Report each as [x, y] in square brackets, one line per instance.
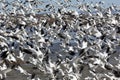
[60, 44]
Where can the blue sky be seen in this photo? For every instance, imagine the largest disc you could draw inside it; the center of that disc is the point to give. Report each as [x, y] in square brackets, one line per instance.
[107, 2]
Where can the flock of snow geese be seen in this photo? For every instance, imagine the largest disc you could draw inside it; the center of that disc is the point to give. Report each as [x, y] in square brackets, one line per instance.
[62, 44]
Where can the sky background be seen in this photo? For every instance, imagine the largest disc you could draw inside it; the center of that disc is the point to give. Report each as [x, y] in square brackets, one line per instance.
[107, 2]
